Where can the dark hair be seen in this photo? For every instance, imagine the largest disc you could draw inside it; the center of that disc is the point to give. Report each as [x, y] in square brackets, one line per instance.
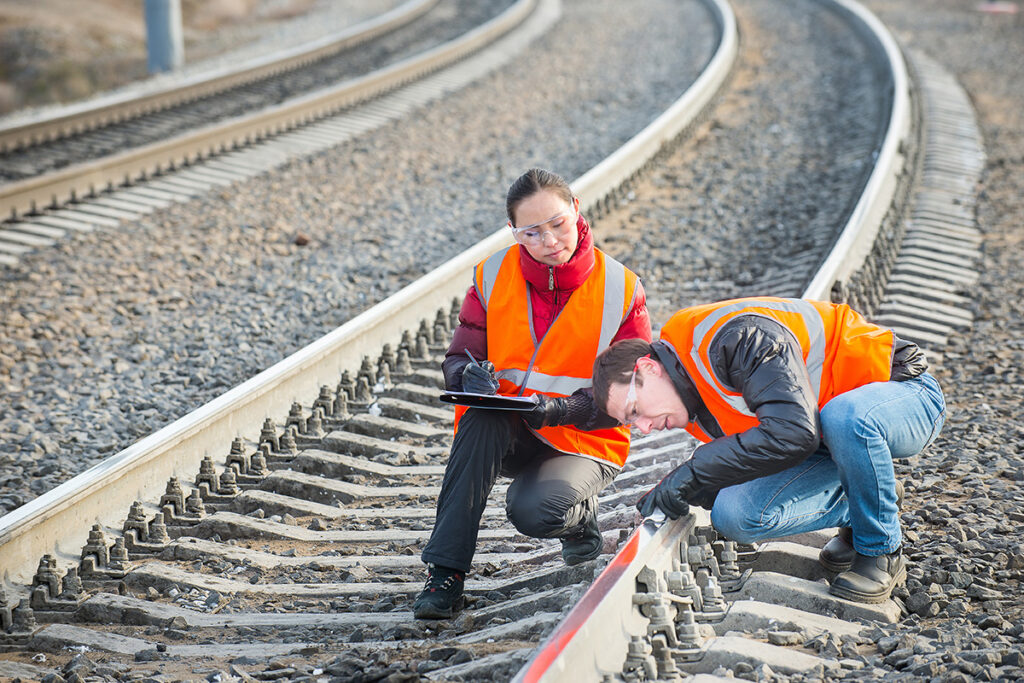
[614, 365]
[532, 182]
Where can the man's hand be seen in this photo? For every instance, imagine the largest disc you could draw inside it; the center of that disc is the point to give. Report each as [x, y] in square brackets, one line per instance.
[549, 411]
[672, 495]
[478, 378]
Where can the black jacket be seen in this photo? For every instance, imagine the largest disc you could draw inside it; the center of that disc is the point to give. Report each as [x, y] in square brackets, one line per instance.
[761, 359]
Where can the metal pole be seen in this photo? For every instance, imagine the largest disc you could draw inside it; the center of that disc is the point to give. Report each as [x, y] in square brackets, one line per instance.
[164, 42]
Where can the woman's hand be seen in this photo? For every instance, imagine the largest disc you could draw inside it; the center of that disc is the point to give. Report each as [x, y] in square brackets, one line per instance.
[549, 411]
[478, 378]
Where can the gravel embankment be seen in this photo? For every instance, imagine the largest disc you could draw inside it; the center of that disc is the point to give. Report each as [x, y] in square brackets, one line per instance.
[965, 516]
[113, 335]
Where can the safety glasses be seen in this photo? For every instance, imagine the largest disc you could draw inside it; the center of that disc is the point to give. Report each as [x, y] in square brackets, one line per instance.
[556, 226]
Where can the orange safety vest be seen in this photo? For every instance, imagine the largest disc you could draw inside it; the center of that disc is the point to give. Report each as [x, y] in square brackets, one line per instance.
[563, 360]
[841, 350]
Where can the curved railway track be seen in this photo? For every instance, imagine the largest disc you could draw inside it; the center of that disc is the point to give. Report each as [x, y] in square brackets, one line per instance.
[296, 554]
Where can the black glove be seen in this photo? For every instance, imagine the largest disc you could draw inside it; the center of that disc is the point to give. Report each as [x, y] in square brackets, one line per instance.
[549, 411]
[672, 495]
[479, 378]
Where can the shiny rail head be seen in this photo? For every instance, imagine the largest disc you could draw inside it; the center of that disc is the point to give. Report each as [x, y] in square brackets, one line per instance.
[593, 638]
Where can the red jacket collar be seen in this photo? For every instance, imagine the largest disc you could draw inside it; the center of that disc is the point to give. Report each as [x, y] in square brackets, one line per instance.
[569, 275]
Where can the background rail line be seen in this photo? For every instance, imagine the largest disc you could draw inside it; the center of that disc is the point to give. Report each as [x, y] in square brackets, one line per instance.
[197, 175]
[89, 177]
[105, 111]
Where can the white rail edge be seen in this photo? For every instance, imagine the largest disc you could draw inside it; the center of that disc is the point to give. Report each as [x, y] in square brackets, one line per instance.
[858, 235]
[583, 646]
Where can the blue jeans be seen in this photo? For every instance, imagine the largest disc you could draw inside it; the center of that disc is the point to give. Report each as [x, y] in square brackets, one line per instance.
[849, 480]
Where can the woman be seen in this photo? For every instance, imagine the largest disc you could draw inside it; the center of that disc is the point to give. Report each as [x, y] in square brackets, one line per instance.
[539, 312]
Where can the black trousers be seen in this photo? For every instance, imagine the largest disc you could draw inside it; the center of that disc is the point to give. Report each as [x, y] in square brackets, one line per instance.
[552, 494]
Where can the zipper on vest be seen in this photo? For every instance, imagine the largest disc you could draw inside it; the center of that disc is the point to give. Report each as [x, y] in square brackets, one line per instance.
[551, 278]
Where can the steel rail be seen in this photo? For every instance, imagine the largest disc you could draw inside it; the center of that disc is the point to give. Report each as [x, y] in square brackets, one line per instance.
[58, 521]
[597, 629]
[85, 178]
[119, 107]
[858, 235]
[593, 639]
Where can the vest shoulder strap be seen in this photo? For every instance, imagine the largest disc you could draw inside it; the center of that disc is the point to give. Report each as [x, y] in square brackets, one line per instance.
[619, 292]
[811, 319]
[485, 274]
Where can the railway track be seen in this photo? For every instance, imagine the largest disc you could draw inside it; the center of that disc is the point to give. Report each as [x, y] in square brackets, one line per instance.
[295, 555]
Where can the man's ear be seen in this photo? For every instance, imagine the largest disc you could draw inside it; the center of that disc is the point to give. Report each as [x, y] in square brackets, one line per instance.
[649, 365]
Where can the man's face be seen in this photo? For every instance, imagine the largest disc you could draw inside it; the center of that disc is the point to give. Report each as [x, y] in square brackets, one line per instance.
[652, 404]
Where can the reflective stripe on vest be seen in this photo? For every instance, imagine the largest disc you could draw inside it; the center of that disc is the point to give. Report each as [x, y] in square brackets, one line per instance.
[486, 274]
[562, 361]
[544, 384]
[814, 356]
[840, 349]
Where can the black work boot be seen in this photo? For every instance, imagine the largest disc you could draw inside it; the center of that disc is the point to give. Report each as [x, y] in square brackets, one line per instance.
[442, 595]
[583, 545]
[838, 553]
[871, 579]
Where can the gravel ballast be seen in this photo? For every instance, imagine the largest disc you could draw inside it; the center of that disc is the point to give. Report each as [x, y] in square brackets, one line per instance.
[965, 509]
[768, 179]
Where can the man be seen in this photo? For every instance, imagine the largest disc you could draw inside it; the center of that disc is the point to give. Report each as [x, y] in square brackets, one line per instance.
[801, 406]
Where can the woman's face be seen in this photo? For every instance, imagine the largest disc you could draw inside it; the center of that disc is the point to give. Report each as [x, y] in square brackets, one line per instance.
[550, 234]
